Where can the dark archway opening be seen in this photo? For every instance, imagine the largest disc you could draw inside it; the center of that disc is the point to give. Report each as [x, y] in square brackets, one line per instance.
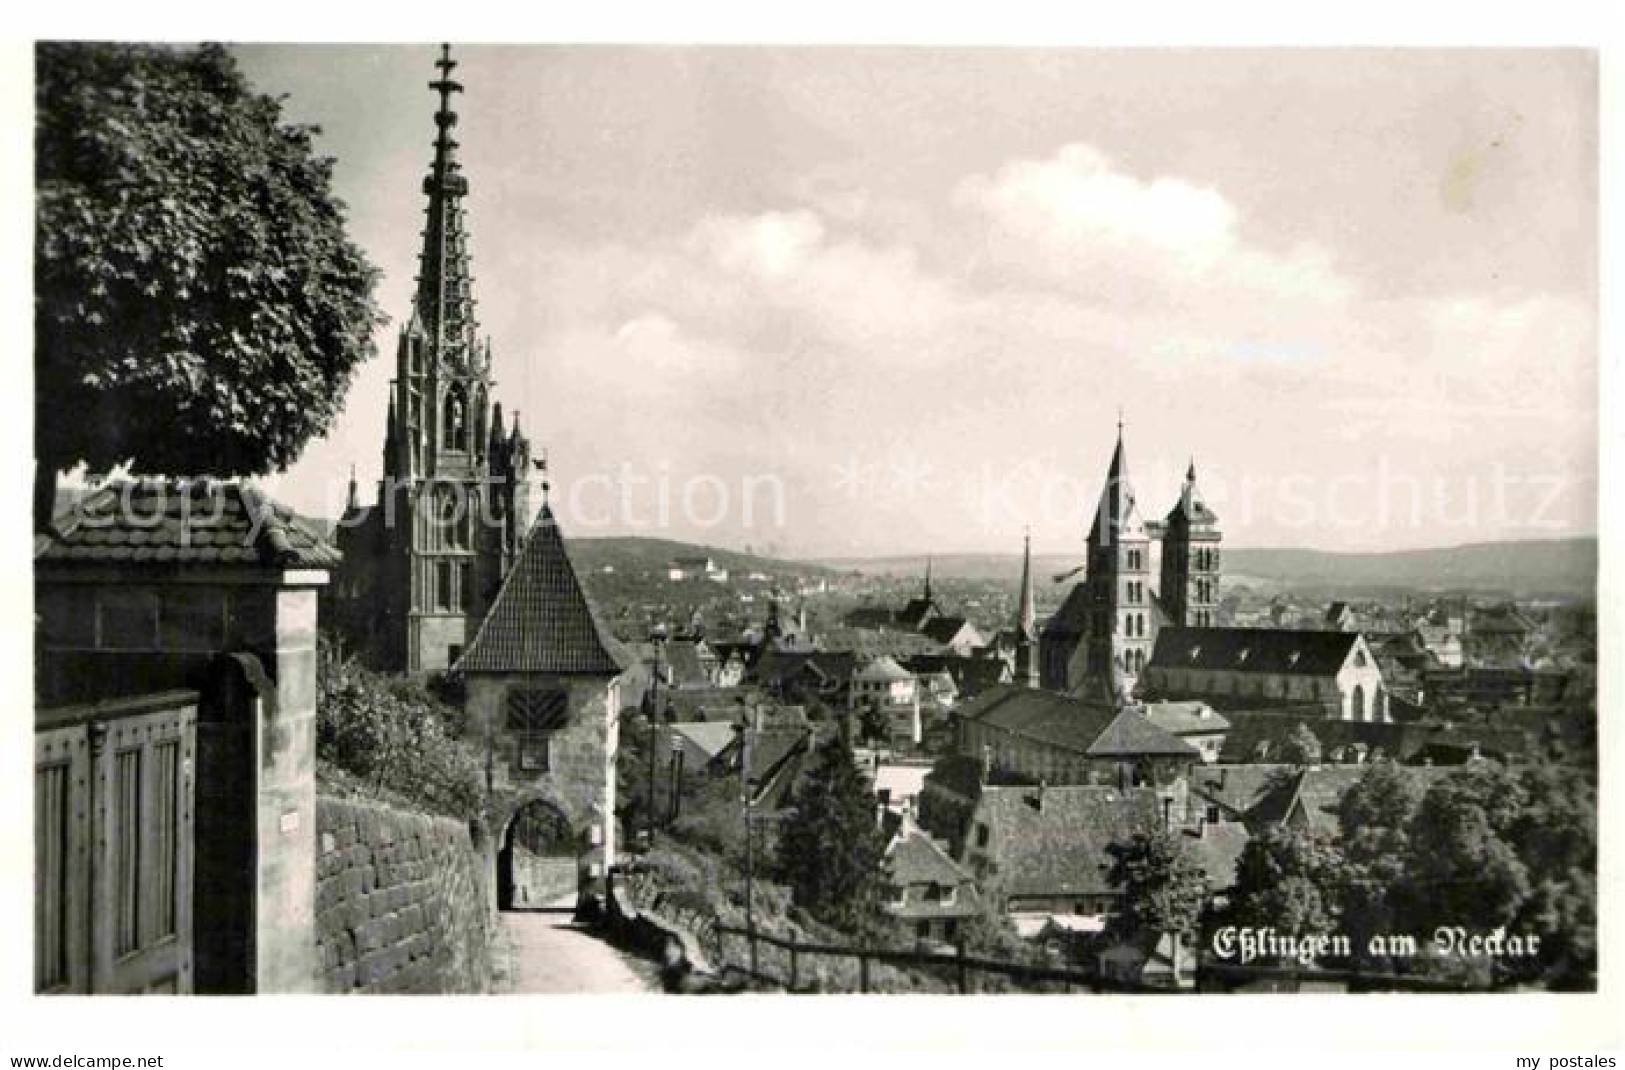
[538, 861]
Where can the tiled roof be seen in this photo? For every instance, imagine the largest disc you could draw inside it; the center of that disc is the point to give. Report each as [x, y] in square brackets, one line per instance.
[1071, 619]
[709, 737]
[1240, 789]
[183, 522]
[1057, 841]
[1270, 650]
[916, 859]
[958, 774]
[1130, 734]
[870, 617]
[1184, 718]
[883, 670]
[1041, 716]
[541, 619]
[1217, 848]
[943, 629]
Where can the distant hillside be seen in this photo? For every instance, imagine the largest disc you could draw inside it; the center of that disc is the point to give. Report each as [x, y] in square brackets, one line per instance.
[634, 554]
[1556, 566]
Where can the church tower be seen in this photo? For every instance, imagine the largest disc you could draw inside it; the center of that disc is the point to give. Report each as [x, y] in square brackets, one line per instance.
[453, 501]
[1190, 560]
[1117, 600]
[1026, 669]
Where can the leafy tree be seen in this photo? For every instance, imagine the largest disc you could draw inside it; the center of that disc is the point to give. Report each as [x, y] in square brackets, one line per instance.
[831, 850]
[1555, 836]
[1301, 746]
[1287, 879]
[198, 306]
[1164, 888]
[876, 724]
[1462, 865]
[1374, 819]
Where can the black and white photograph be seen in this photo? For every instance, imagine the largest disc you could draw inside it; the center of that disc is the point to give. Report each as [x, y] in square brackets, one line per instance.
[795, 520]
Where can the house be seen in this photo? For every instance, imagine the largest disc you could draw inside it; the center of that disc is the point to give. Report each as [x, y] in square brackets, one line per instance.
[931, 895]
[695, 568]
[1340, 617]
[1049, 850]
[1026, 735]
[1260, 666]
[970, 675]
[1197, 723]
[699, 741]
[952, 634]
[885, 685]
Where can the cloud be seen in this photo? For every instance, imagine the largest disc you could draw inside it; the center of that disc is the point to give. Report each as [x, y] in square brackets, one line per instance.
[1077, 221]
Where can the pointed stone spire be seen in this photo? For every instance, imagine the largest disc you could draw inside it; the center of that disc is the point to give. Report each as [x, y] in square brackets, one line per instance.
[351, 503]
[1117, 516]
[1026, 667]
[927, 594]
[445, 301]
[1026, 613]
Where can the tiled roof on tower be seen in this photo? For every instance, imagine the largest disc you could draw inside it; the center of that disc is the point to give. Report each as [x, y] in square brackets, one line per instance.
[1117, 517]
[1190, 504]
[541, 620]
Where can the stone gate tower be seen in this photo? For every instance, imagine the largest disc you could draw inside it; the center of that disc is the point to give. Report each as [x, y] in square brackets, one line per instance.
[422, 566]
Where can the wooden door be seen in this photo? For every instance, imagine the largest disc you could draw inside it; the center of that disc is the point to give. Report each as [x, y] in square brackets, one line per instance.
[113, 843]
[62, 860]
[143, 887]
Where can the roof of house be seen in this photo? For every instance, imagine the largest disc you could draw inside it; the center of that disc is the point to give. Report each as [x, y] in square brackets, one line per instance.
[900, 781]
[1071, 620]
[1041, 716]
[943, 629]
[1240, 789]
[1057, 840]
[870, 617]
[973, 675]
[956, 773]
[710, 738]
[1184, 718]
[917, 859]
[1130, 735]
[167, 522]
[882, 670]
[1283, 651]
[541, 619]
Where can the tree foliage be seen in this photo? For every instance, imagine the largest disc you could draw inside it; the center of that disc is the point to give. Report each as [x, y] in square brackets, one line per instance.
[394, 737]
[1287, 880]
[1301, 746]
[831, 850]
[1164, 887]
[199, 308]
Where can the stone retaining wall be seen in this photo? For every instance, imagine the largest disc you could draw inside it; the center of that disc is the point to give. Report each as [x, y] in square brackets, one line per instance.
[402, 903]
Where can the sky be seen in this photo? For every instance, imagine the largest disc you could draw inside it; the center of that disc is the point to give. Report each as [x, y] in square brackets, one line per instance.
[860, 301]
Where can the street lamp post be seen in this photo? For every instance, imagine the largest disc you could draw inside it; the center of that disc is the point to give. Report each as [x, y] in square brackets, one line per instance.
[746, 784]
[658, 637]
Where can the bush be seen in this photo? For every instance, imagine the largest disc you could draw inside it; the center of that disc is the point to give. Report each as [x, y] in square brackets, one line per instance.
[392, 736]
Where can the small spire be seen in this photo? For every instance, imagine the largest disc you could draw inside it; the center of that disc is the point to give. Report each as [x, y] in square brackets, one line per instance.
[351, 502]
[928, 577]
[1190, 473]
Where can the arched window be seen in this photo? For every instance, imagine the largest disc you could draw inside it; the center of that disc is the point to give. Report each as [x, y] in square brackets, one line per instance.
[1357, 704]
[455, 434]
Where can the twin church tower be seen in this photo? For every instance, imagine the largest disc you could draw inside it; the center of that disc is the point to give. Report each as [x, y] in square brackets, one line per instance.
[1100, 640]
